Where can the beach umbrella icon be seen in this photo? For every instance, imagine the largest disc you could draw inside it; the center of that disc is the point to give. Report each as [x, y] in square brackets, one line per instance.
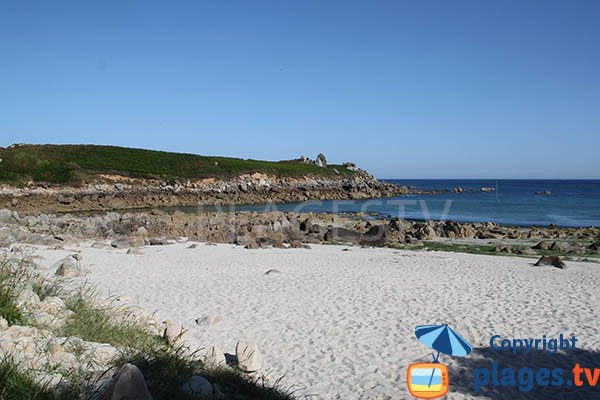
[443, 339]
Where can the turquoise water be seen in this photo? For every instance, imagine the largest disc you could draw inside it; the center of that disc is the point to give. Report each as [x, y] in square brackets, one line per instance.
[572, 203]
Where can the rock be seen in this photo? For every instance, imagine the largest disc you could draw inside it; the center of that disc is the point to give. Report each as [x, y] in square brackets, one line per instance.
[8, 217]
[377, 235]
[197, 386]
[193, 246]
[172, 332]
[141, 231]
[65, 199]
[130, 385]
[99, 355]
[3, 324]
[554, 261]
[209, 320]
[543, 245]
[99, 245]
[321, 160]
[126, 243]
[305, 160]
[350, 166]
[555, 246]
[594, 247]
[526, 251]
[68, 267]
[27, 300]
[296, 244]
[248, 356]
[214, 357]
[52, 305]
[161, 242]
[341, 234]
[502, 249]
[63, 361]
[272, 271]
[490, 235]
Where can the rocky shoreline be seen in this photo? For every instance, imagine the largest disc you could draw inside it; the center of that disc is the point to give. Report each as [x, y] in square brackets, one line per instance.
[279, 229]
[113, 192]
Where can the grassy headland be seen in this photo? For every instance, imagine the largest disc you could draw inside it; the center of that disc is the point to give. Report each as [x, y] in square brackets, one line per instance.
[72, 164]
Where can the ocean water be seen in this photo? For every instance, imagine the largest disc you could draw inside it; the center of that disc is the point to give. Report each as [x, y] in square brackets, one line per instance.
[572, 203]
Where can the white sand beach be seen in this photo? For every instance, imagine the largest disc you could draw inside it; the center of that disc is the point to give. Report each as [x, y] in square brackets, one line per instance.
[338, 324]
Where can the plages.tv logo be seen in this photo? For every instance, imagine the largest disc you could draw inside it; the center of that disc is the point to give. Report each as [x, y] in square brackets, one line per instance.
[430, 380]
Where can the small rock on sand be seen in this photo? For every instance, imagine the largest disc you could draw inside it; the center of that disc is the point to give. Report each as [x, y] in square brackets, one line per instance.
[214, 356]
[248, 357]
[273, 271]
[554, 261]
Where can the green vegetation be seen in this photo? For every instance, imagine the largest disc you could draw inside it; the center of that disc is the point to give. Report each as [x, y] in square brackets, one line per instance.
[8, 276]
[72, 164]
[92, 323]
[16, 385]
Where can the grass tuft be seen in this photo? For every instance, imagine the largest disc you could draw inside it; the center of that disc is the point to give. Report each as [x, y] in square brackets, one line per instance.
[17, 385]
[92, 322]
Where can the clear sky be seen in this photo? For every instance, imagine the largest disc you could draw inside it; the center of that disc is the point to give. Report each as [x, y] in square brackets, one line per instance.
[423, 89]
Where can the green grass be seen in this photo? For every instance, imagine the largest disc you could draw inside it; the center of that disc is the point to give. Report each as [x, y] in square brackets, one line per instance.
[8, 309]
[16, 385]
[70, 164]
[92, 323]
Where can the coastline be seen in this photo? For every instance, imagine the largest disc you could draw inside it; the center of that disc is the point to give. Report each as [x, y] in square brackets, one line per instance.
[126, 193]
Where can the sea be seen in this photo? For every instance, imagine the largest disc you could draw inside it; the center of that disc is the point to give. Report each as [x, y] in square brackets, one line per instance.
[570, 203]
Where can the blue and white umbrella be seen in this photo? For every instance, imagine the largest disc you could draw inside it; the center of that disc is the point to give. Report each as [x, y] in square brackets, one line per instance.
[443, 339]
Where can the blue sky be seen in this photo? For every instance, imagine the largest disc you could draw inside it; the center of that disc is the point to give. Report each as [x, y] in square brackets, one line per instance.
[435, 89]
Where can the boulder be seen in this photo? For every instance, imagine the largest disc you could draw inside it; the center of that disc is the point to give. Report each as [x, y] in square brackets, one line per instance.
[321, 160]
[209, 320]
[214, 357]
[125, 243]
[377, 235]
[8, 217]
[490, 235]
[342, 235]
[172, 332]
[130, 385]
[161, 242]
[27, 300]
[526, 251]
[52, 305]
[68, 267]
[543, 245]
[248, 356]
[554, 261]
[197, 386]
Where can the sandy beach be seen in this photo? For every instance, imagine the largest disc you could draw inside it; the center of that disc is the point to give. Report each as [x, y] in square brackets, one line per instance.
[337, 322]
